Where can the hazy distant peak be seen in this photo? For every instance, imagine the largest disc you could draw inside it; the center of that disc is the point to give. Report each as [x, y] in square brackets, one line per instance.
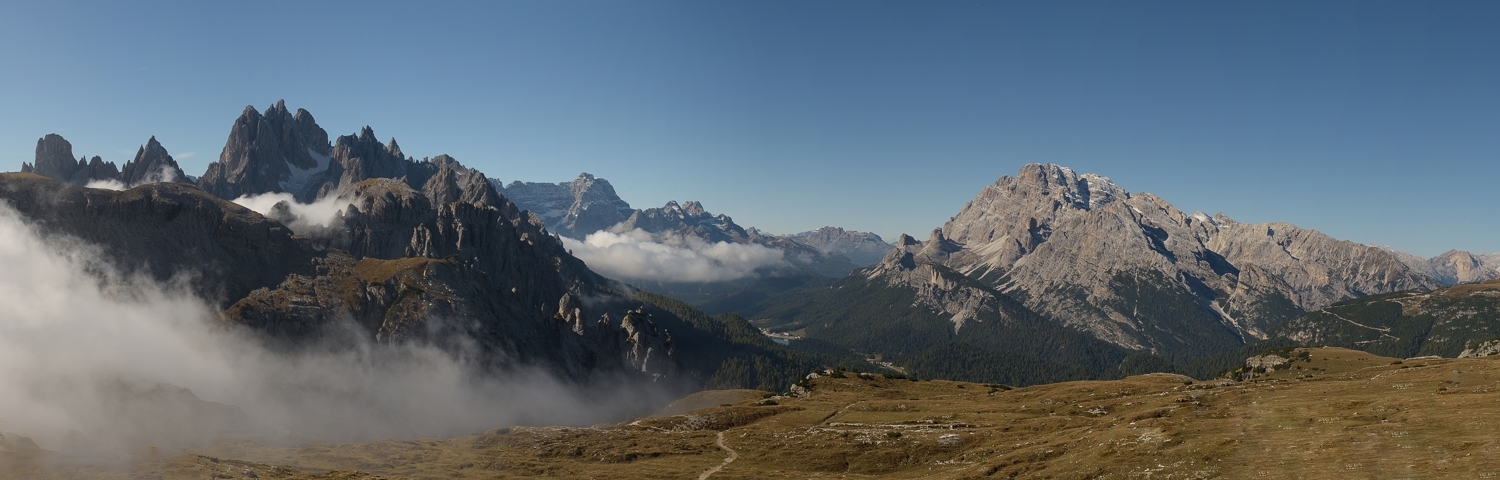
[694, 208]
[573, 209]
[862, 248]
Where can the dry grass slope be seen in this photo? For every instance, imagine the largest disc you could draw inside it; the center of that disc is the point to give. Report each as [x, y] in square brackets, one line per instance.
[1335, 414]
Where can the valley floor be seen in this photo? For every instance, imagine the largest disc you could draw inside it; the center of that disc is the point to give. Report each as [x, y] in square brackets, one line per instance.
[1335, 414]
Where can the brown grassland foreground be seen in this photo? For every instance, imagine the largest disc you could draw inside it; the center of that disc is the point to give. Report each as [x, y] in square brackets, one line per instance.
[1335, 414]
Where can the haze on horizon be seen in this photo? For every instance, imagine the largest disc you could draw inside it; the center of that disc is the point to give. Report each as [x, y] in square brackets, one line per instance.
[1370, 121]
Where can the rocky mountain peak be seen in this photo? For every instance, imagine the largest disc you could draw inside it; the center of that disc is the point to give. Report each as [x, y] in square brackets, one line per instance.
[394, 148]
[152, 164]
[900, 257]
[689, 221]
[1084, 250]
[1455, 266]
[573, 209]
[274, 152]
[54, 159]
[1061, 183]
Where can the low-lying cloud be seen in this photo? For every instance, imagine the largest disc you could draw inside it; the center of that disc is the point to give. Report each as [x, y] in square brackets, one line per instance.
[300, 217]
[110, 184]
[97, 365]
[161, 174]
[637, 255]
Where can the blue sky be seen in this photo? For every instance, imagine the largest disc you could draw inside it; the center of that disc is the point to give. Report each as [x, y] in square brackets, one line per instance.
[1377, 122]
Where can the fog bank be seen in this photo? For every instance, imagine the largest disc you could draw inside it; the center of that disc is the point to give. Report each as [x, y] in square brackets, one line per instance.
[91, 363]
[302, 215]
[637, 255]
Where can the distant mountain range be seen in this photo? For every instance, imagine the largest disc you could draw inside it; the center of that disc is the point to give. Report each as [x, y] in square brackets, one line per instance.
[588, 204]
[1453, 266]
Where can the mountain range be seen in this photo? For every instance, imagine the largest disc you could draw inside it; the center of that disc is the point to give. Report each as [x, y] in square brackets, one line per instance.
[422, 252]
[1046, 275]
[1048, 254]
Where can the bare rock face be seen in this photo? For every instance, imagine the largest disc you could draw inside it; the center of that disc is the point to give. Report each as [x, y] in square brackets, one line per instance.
[1133, 270]
[572, 209]
[275, 152]
[862, 248]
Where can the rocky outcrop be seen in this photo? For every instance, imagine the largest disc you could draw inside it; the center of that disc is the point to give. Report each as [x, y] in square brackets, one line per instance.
[572, 209]
[54, 159]
[648, 346]
[275, 152]
[1135, 271]
[861, 248]
[1481, 349]
[937, 288]
[1268, 362]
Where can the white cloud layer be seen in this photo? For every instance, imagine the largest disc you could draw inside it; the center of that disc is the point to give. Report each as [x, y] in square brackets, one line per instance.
[86, 351]
[106, 184]
[316, 214]
[637, 255]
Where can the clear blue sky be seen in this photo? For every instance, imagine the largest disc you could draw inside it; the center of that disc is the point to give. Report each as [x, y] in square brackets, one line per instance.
[1371, 121]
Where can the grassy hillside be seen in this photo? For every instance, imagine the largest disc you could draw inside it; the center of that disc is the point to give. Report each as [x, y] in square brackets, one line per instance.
[1338, 414]
[1405, 324]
